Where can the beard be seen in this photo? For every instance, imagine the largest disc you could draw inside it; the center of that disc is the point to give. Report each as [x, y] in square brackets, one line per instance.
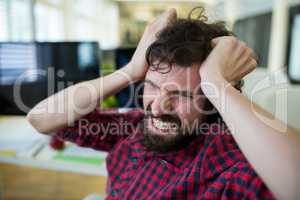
[178, 138]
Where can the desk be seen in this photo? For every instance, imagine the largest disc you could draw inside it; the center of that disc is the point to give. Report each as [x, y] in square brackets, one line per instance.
[27, 172]
[28, 183]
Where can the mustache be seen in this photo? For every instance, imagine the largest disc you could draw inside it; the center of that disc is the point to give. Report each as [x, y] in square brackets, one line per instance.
[171, 118]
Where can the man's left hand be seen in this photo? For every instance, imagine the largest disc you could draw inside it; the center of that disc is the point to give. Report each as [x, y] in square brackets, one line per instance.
[230, 60]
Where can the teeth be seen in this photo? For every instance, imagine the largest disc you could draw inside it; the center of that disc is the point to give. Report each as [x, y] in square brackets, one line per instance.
[163, 125]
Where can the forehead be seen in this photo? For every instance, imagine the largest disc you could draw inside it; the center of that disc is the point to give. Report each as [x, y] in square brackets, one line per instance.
[179, 77]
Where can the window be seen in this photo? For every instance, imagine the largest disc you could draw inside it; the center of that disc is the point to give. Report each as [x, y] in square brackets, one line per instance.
[49, 23]
[57, 20]
[86, 8]
[3, 21]
[84, 29]
[294, 65]
[294, 45]
[21, 23]
[16, 20]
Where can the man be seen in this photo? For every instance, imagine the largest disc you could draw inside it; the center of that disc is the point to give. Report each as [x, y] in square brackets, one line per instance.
[178, 148]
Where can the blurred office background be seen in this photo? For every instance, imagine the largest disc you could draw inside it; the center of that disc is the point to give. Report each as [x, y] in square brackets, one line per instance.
[69, 41]
[106, 32]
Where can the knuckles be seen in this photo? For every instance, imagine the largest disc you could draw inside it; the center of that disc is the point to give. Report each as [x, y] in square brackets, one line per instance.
[249, 52]
[253, 63]
[230, 41]
[244, 47]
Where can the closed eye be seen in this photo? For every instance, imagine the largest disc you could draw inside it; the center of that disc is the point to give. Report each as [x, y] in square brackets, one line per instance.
[182, 93]
[186, 94]
[151, 84]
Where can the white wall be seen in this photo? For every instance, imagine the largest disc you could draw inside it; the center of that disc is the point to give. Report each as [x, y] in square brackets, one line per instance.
[269, 87]
[69, 20]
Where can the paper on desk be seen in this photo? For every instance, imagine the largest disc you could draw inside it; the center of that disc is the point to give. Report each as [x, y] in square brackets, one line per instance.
[21, 144]
[18, 137]
[74, 158]
[73, 153]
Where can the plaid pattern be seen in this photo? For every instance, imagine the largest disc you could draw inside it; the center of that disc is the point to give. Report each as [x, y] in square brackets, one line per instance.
[210, 167]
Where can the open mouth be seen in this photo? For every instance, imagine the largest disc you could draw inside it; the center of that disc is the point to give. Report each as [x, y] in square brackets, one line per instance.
[163, 127]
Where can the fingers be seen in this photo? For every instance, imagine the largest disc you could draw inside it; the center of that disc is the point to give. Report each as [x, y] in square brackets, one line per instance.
[244, 55]
[246, 64]
[168, 16]
[215, 41]
[227, 41]
[243, 59]
[247, 60]
[220, 39]
[239, 49]
[233, 42]
[251, 65]
[245, 69]
[163, 20]
[247, 51]
[242, 51]
[172, 15]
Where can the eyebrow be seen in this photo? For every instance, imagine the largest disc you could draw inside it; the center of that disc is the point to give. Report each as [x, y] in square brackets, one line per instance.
[186, 92]
[151, 83]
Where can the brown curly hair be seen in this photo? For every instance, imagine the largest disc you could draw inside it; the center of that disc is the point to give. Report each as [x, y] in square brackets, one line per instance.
[185, 42]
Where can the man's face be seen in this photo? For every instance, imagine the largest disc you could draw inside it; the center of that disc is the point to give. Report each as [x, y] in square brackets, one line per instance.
[174, 103]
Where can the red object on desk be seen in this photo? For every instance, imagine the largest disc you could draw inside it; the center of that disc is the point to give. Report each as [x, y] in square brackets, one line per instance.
[57, 143]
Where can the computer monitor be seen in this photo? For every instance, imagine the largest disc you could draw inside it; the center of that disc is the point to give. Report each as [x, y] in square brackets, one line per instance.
[28, 70]
[129, 97]
[247, 29]
[292, 61]
[15, 60]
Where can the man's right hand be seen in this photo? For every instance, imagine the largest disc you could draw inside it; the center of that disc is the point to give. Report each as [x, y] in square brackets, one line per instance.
[76, 101]
[137, 67]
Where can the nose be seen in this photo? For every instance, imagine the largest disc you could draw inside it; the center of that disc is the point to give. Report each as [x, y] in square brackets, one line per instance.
[161, 104]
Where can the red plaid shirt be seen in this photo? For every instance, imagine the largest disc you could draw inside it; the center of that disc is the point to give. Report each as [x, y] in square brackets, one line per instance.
[210, 167]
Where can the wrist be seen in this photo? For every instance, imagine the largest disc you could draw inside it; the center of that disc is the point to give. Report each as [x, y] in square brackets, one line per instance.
[213, 82]
[213, 77]
[128, 70]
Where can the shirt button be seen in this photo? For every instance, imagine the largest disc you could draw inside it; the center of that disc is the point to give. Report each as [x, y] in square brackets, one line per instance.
[114, 193]
[164, 162]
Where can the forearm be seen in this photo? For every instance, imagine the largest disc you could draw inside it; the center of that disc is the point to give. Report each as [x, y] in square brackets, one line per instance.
[76, 101]
[270, 146]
